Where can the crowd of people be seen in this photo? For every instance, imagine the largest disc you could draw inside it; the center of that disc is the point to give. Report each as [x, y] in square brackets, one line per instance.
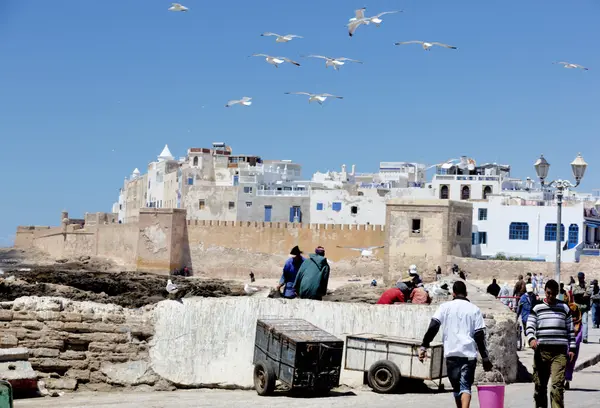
[410, 290]
[556, 319]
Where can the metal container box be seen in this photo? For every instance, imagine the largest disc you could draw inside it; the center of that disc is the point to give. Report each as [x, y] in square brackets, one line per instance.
[298, 354]
[387, 359]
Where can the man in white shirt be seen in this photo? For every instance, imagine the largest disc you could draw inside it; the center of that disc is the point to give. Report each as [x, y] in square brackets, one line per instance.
[463, 335]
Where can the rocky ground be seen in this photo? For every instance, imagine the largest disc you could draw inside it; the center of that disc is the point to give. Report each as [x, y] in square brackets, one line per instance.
[84, 278]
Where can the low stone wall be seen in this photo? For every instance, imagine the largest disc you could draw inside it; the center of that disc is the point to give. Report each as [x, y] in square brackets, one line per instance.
[204, 341]
[197, 342]
[80, 344]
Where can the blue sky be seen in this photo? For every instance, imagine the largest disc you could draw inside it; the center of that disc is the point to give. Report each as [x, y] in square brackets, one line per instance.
[78, 80]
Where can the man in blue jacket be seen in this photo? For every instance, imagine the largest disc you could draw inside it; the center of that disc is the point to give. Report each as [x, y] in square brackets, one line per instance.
[290, 270]
[313, 276]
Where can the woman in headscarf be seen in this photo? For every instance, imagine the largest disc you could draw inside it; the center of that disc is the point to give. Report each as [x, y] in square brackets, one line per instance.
[576, 313]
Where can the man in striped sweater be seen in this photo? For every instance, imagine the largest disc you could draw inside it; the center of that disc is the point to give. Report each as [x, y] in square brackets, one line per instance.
[551, 334]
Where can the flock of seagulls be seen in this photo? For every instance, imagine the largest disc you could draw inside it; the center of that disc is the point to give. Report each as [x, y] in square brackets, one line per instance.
[359, 19]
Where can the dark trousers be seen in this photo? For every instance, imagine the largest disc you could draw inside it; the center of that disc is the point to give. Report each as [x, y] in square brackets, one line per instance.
[549, 363]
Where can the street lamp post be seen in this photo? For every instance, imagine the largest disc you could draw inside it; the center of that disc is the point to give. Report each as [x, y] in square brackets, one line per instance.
[542, 167]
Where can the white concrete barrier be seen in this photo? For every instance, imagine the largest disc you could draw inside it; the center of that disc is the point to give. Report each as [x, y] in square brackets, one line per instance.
[202, 341]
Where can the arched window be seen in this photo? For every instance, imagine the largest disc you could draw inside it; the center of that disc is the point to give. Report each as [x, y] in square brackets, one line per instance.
[444, 192]
[550, 232]
[465, 193]
[573, 235]
[487, 190]
[195, 160]
[518, 230]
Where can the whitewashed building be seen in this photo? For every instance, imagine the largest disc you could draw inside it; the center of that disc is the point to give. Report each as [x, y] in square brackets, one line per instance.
[517, 227]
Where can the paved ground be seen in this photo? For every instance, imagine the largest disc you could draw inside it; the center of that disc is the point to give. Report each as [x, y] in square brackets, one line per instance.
[589, 353]
[585, 393]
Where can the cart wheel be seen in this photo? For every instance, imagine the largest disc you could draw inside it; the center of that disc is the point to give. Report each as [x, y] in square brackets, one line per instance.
[384, 377]
[264, 378]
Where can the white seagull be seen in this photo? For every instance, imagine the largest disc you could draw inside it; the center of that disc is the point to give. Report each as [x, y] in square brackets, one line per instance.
[427, 45]
[281, 38]
[250, 290]
[358, 14]
[171, 287]
[177, 7]
[366, 252]
[357, 22]
[276, 60]
[246, 101]
[569, 65]
[336, 63]
[320, 98]
[377, 19]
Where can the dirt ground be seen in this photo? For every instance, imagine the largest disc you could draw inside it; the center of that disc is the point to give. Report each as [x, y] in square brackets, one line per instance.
[33, 273]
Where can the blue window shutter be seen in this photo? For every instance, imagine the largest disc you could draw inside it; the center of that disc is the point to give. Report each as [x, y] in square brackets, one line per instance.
[319, 206]
[337, 206]
[291, 214]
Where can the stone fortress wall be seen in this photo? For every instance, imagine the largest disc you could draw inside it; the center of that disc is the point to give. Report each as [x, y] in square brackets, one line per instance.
[163, 239]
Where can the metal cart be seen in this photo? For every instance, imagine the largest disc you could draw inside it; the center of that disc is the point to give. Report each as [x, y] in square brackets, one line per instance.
[298, 354]
[386, 360]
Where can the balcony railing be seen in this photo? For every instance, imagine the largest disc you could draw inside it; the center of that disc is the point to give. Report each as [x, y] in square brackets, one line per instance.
[462, 177]
[283, 193]
[247, 179]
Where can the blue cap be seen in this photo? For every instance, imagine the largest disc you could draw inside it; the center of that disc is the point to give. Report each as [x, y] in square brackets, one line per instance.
[581, 275]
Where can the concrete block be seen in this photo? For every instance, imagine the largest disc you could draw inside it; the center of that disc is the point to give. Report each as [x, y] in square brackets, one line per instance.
[23, 334]
[91, 318]
[17, 370]
[46, 315]
[14, 354]
[54, 325]
[8, 341]
[6, 315]
[80, 375]
[73, 355]
[53, 344]
[101, 347]
[24, 316]
[45, 352]
[111, 318]
[130, 373]
[69, 384]
[70, 317]
[32, 325]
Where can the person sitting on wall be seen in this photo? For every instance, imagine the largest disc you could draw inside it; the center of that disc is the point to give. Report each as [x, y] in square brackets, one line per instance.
[420, 296]
[290, 271]
[313, 276]
[397, 294]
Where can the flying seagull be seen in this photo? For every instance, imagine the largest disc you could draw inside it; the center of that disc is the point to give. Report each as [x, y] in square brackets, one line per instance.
[336, 63]
[276, 60]
[366, 252]
[358, 14]
[177, 7]
[357, 22]
[569, 65]
[320, 98]
[281, 38]
[426, 45]
[353, 25]
[246, 101]
[377, 19]
[171, 287]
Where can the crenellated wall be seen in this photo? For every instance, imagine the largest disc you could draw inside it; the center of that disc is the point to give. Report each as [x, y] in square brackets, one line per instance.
[163, 240]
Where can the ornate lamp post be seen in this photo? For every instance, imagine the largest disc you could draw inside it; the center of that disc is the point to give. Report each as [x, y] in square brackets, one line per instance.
[542, 167]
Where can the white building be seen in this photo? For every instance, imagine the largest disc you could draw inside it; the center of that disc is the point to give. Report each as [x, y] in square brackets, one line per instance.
[522, 228]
